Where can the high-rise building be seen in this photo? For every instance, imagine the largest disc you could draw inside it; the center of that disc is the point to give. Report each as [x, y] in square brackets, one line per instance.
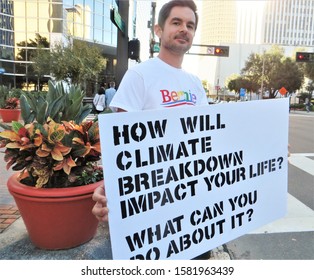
[217, 22]
[248, 26]
[281, 22]
[22, 21]
[289, 23]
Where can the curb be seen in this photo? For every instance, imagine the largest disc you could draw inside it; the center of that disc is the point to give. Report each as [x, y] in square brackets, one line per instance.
[220, 253]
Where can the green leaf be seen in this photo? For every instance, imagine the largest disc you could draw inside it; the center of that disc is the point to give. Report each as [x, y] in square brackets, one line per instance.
[42, 112]
[16, 126]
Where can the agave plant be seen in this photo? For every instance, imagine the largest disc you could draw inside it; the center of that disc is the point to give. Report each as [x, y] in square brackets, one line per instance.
[57, 104]
[54, 147]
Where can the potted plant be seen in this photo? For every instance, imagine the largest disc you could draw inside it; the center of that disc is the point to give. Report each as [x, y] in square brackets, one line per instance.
[56, 151]
[9, 105]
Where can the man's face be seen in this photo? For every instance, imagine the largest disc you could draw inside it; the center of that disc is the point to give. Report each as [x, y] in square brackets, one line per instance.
[179, 30]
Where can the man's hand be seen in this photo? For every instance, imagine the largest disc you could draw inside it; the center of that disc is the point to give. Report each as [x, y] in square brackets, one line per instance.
[100, 209]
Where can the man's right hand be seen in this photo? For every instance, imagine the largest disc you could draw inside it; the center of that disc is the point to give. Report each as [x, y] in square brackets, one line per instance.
[100, 209]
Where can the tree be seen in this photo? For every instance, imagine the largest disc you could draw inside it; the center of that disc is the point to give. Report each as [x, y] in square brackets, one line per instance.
[236, 82]
[309, 70]
[273, 70]
[26, 54]
[253, 69]
[231, 82]
[28, 51]
[77, 61]
[41, 65]
[287, 74]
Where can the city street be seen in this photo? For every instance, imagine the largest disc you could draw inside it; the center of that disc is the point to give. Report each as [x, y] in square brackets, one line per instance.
[292, 237]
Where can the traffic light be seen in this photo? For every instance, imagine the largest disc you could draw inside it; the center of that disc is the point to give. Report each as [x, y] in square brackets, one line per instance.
[216, 50]
[221, 51]
[304, 57]
[134, 49]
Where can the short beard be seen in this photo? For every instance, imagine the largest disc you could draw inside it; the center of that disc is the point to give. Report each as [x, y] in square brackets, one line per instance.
[178, 49]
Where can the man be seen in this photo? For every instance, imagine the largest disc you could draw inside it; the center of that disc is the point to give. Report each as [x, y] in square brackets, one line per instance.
[110, 92]
[160, 82]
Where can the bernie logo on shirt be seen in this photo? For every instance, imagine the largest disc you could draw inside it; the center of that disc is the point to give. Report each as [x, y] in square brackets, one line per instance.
[177, 98]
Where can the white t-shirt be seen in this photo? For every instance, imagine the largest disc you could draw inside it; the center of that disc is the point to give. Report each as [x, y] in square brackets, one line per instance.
[99, 102]
[154, 84]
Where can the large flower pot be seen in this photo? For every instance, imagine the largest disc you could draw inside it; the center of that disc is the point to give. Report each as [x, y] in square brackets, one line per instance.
[56, 218]
[9, 115]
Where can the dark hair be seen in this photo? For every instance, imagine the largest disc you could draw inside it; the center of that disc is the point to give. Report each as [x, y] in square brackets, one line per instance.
[101, 90]
[166, 10]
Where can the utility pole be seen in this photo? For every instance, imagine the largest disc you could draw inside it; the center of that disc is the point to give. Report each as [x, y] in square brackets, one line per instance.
[122, 43]
[263, 71]
[217, 89]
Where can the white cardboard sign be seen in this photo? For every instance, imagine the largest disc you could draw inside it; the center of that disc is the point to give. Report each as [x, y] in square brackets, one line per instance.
[185, 180]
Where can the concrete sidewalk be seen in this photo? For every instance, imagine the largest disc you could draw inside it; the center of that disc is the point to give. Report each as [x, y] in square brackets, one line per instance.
[15, 245]
[300, 112]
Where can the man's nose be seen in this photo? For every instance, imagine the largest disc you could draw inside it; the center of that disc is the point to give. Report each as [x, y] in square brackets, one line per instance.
[183, 28]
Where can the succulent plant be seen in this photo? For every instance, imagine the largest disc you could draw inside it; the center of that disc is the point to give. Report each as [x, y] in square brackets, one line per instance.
[56, 146]
[58, 105]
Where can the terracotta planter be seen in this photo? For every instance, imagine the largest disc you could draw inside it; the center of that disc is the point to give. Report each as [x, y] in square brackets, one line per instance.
[57, 218]
[9, 115]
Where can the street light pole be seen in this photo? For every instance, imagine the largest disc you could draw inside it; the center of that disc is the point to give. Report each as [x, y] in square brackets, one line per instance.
[152, 30]
[122, 42]
[263, 70]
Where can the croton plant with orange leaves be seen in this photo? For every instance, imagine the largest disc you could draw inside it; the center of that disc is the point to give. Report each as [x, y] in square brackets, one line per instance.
[53, 154]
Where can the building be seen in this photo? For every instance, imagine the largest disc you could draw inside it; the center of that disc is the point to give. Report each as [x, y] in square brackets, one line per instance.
[289, 23]
[22, 21]
[248, 26]
[281, 22]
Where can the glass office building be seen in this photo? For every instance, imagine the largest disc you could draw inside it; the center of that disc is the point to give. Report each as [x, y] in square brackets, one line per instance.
[24, 22]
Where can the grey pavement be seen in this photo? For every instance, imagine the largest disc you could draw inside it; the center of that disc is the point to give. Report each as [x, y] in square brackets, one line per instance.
[15, 245]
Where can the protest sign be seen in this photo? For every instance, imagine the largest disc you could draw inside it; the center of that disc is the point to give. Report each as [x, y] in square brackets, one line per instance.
[185, 180]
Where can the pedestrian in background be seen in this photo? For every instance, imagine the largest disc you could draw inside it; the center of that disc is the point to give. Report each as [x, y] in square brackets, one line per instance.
[99, 100]
[110, 92]
[307, 105]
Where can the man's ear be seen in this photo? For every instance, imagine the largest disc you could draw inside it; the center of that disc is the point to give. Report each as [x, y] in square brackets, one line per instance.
[158, 30]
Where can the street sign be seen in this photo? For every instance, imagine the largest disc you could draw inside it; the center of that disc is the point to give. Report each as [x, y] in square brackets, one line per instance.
[211, 50]
[283, 91]
[2, 70]
[242, 91]
[156, 48]
[117, 20]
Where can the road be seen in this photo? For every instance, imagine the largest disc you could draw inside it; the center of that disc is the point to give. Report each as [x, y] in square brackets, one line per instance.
[292, 237]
